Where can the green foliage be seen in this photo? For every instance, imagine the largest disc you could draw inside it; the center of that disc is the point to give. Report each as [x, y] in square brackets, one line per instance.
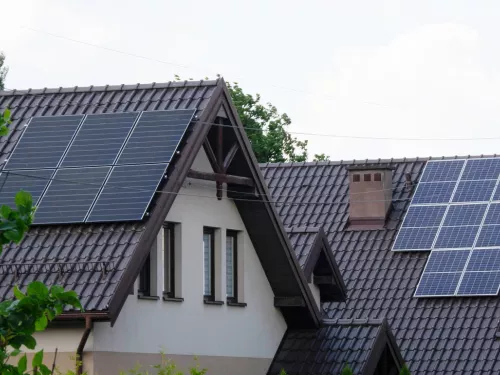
[404, 370]
[346, 370]
[3, 71]
[21, 317]
[267, 128]
[4, 121]
[321, 157]
[165, 367]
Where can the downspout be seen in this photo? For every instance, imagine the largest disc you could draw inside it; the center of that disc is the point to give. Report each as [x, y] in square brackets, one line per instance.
[81, 345]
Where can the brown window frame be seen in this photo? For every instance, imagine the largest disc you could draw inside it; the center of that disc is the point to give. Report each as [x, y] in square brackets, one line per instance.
[169, 260]
[145, 278]
[234, 235]
[211, 232]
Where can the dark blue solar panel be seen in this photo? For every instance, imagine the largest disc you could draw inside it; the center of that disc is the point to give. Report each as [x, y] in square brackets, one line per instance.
[424, 216]
[493, 215]
[456, 237]
[474, 191]
[33, 182]
[438, 284]
[479, 283]
[436, 192]
[70, 195]
[447, 261]
[467, 214]
[127, 193]
[489, 236]
[415, 238]
[484, 260]
[442, 171]
[99, 139]
[156, 137]
[481, 169]
[44, 142]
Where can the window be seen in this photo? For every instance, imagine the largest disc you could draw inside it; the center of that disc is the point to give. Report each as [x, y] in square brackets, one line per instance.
[145, 278]
[231, 266]
[169, 260]
[208, 264]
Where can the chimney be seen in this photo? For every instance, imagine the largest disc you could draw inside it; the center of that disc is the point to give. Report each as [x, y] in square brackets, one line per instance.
[370, 196]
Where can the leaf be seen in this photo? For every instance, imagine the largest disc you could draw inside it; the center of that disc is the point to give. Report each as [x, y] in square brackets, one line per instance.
[18, 294]
[45, 370]
[56, 290]
[29, 342]
[5, 211]
[41, 323]
[6, 114]
[37, 359]
[23, 199]
[37, 289]
[4, 130]
[22, 365]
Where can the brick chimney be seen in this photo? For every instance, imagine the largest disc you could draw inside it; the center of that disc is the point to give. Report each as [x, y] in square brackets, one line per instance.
[370, 196]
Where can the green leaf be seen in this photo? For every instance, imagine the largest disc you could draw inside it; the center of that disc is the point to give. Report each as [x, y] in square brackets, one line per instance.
[23, 198]
[18, 294]
[5, 211]
[37, 359]
[37, 289]
[41, 323]
[29, 342]
[44, 370]
[4, 130]
[56, 290]
[22, 365]
[6, 114]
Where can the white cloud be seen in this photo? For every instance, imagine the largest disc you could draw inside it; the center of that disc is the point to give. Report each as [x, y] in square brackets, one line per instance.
[429, 83]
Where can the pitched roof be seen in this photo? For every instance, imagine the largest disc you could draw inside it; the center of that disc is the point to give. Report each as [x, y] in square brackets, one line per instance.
[436, 336]
[325, 351]
[110, 245]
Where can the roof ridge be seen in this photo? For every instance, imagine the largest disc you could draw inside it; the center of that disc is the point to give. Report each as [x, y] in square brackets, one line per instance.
[106, 88]
[372, 161]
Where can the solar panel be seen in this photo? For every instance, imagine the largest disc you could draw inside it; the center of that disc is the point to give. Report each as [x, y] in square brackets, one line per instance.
[44, 142]
[434, 192]
[70, 195]
[33, 182]
[127, 193]
[99, 139]
[156, 137]
[80, 166]
[465, 243]
[479, 284]
[438, 284]
[456, 237]
[442, 171]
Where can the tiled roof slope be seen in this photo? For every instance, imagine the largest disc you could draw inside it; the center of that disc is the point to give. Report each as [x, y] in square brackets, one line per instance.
[302, 240]
[327, 350]
[436, 336]
[85, 243]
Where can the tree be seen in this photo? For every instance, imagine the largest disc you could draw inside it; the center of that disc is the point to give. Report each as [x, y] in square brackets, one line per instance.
[321, 157]
[3, 70]
[31, 311]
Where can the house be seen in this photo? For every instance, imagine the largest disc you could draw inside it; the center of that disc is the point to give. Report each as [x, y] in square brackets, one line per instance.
[361, 206]
[152, 207]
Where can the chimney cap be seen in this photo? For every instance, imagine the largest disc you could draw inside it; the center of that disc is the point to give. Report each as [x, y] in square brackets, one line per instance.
[367, 167]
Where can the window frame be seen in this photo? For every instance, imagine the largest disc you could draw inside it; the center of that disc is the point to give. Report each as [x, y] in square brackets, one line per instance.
[169, 273]
[234, 235]
[211, 233]
[145, 278]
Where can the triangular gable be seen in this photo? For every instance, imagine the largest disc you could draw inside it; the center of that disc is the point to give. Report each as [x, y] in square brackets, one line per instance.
[318, 262]
[229, 152]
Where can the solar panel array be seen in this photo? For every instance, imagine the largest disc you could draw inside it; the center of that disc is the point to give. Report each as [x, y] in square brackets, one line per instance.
[93, 168]
[455, 213]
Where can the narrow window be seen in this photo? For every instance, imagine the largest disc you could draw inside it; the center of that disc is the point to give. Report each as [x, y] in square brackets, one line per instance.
[377, 177]
[208, 263]
[231, 266]
[169, 260]
[356, 178]
[368, 177]
[145, 278]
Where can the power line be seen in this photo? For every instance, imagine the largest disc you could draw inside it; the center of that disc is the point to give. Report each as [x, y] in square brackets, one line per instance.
[329, 97]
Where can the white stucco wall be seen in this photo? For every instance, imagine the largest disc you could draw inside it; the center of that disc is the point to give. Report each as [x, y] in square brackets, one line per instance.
[63, 339]
[192, 327]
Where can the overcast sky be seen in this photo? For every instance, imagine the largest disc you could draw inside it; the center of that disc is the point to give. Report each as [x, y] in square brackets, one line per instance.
[369, 68]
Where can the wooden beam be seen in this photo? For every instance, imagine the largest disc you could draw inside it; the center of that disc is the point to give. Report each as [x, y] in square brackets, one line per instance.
[220, 156]
[328, 279]
[289, 302]
[219, 177]
[230, 156]
[211, 156]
